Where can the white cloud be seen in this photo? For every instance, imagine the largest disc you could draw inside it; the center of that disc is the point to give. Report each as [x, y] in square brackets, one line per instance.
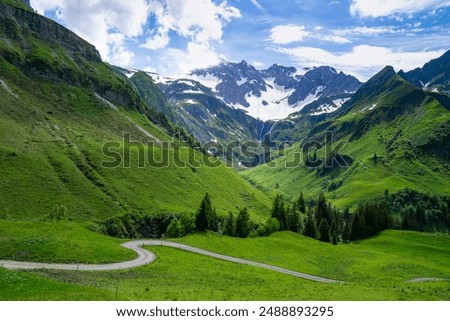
[383, 8]
[364, 31]
[158, 41]
[257, 5]
[285, 34]
[196, 55]
[258, 64]
[335, 39]
[111, 24]
[200, 20]
[107, 24]
[363, 61]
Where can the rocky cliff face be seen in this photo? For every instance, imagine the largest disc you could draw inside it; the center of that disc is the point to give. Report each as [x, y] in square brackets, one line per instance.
[433, 76]
[323, 82]
[18, 24]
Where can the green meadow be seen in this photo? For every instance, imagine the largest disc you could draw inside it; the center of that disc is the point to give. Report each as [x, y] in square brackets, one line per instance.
[373, 269]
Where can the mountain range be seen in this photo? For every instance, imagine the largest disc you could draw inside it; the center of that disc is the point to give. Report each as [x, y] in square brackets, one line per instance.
[60, 104]
[92, 154]
[235, 102]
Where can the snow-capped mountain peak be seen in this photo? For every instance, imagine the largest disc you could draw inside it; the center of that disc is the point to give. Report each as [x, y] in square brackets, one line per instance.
[270, 94]
[276, 92]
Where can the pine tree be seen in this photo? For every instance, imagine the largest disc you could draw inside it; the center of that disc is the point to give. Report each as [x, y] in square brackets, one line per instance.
[323, 209]
[279, 212]
[294, 220]
[230, 225]
[334, 234]
[301, 204]
[324, 231]
[358, 229]
[346, 235]
[206, 217]
[243, 223]
[311, 225]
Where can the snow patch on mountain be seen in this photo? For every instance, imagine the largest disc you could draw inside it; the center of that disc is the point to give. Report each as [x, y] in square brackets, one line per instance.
[193, 91]
[191, 102]
[340, 102]
[241, 81]
[273, 103]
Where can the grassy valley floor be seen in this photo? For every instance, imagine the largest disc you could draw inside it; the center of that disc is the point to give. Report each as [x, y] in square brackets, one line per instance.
[374, 269]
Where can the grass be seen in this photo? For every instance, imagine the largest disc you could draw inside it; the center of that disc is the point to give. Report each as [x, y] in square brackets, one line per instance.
[60, 141]
[63, 242]
[51, 155]
[17, 3]
[377, 269]
[393, 256]
[402, 163]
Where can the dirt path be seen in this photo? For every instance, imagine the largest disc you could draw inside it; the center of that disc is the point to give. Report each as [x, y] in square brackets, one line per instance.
[146, 257]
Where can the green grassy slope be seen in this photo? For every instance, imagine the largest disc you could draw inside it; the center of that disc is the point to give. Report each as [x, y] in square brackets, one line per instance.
[392, 256]
[376, 268]
[54, 125]
[406, 128]
[63, 242]
[58, 145]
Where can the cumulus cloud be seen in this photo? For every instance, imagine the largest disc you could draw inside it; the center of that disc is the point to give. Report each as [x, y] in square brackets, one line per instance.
[383, 8]
[285, 34]
[196, 55]
[105, 23]
[200, 20]
[111, 25]
[362, 61]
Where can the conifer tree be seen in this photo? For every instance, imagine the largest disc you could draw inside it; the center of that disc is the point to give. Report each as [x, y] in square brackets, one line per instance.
[243, 223]
[279, 212]
[295, 222]
[333, 233]
[324, 231]
[311, 225]
[230, 225]
[206, 217]
[301, 204]
[346, 235]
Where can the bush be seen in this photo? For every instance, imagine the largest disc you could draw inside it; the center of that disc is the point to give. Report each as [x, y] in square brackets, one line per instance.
[272, 225]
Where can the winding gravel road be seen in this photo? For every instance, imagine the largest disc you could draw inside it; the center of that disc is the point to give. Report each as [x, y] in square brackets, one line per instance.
[146, 257]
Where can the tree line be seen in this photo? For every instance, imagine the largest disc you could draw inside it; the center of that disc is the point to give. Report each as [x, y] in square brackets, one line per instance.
[315, 218]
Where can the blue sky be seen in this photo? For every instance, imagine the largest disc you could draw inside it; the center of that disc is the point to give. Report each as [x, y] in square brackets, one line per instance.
[172, 37]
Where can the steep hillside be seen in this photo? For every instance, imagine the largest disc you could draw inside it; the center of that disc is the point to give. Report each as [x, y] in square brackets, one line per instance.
[394, 135]
[59, 106]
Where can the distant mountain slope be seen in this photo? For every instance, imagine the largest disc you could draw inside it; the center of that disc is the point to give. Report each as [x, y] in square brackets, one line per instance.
[397, 135]
[277, 92]
[77, 134]
[433, 76]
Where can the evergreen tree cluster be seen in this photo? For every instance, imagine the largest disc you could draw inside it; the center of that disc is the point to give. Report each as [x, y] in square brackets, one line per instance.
[406, 209]
[138, 225]
[420, 212]
[207, 219]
